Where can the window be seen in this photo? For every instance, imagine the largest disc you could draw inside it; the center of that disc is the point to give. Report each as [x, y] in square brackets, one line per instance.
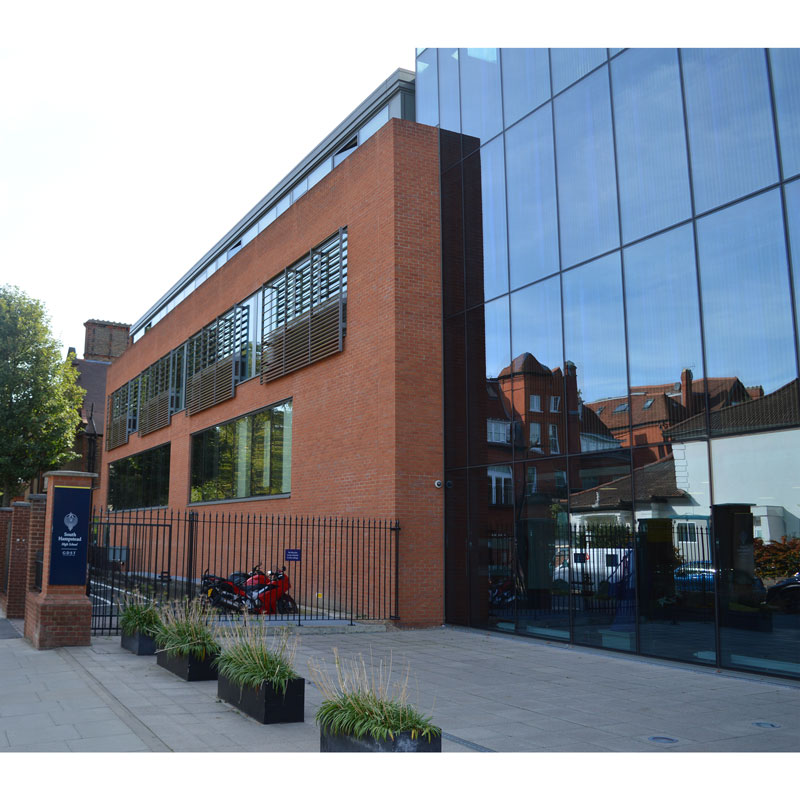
[561, 479]
[649, 402]
[247, 457]
[530, 485]
[498, 431]
[500, 486]
[555, 403]
[622, 407]
[554, 448]
[686, 532]
[140, 481]
[536, 434]
[536, 402]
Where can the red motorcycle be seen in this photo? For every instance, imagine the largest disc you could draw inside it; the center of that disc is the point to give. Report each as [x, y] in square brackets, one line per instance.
[269, 594]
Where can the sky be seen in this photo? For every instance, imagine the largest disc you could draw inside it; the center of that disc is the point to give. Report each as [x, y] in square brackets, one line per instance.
[134, 136]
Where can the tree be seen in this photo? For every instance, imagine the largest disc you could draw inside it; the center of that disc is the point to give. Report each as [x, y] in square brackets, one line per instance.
[39, 398]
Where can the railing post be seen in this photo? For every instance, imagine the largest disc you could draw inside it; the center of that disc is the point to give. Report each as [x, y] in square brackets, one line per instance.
[190, 552]
[395, 528]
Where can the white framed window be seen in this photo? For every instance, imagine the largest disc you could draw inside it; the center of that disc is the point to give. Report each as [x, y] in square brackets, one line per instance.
[498, 431]
[553, 431]
[536, 434]
[686, 532]
[500, 486]
[555, 403]
[561, 479]
[530, 483]
[536, 402]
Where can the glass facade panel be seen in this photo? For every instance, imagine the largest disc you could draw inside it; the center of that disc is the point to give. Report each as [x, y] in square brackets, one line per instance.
[793, 215]
[571, 63]
[526, 81]
[532, 218]
[594, 348]
[481, 104]
[587, 193]
[427, 88]
[449, 92]
[486, 168]
[786, 82]
[729, 116]
[756, 525]
[750, 351]
[139, 481]
[651, 142]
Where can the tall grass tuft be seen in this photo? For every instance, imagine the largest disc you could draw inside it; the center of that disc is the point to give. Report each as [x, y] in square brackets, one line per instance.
[185, 630]
[138, 614]
[363, 700]
[251, 656]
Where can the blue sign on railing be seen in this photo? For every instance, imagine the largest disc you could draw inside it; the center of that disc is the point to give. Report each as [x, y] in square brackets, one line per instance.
[291, 555]
[69, 542]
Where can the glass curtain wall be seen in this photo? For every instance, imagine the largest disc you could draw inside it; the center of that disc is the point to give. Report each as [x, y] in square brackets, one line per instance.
[620, 263]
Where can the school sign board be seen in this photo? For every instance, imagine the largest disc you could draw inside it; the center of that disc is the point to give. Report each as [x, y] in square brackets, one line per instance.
[69, 544]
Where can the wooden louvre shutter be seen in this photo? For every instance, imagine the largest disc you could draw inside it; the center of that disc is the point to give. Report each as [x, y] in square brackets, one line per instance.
[116, 432]
[154, 408]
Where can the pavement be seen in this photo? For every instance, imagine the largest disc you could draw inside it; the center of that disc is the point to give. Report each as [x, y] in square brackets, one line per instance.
[489, 692]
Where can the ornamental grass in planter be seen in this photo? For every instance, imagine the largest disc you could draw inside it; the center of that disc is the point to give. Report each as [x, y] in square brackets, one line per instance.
[139, 621]
[256, 673]
[366, 712]
[186, 641]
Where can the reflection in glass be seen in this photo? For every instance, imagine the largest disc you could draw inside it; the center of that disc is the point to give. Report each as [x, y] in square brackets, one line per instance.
[498, 343]
[481, 106]
[785, 72]
[536, 323]
[651, 141]
[487, 168]
[532, 220]
[601, 570]
[756, 524]
[729, 117]
[748, 326]
[449, 93]
[792, 194]
[540, 546]
[427, 88]
[587, 194]
[594, 348]
[571, 63]
[526, 81]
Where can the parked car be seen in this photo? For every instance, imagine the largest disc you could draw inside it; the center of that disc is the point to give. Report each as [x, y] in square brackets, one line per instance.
[595, 569]
[786, 594]
[699, 576]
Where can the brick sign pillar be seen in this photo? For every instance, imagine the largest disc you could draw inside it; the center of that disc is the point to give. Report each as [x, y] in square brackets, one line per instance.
[59, 614]
[15, 572]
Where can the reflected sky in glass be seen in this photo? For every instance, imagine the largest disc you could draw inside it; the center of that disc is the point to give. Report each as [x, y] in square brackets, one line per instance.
[481, 106]
[786, 81]
[536, 322]
[449, 93]
[427, 88]
[662, 306]
[587, 194]
[745, 285]
[594, 336]
[526, 81]
[793, 214]
[571, 63]
[498, 340]
[729, 116]
[532, 219]
[651, 141]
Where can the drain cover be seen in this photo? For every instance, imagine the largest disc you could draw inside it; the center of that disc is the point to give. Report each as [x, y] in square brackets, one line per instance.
[662, 739]
[766, 725]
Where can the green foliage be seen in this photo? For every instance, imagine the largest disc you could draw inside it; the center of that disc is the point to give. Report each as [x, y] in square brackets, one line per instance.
[249, 658]
[361, 702]
[185, 630]
[138, 614]
[39, 398]
[776, 559]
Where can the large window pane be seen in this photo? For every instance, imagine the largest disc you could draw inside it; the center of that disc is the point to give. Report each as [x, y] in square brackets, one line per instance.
[651, 141]
[756, 525]
[449, 93]
[594, 351]
[730, 124]
[750, 352]
[481, 106]
[587, 193]
[663, 317]
[532, 219]
[786, 80]
[793, 215]
[427, 88]
[486, 168]
[139, 481]
[571, 63]
[526, 81]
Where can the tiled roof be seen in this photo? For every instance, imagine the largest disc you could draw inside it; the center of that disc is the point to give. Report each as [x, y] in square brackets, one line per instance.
[525, 363]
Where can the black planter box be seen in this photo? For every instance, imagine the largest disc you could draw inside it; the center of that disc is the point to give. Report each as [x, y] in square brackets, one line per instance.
[139, 644]
[187, 667]
[402, 743]
[264, 704]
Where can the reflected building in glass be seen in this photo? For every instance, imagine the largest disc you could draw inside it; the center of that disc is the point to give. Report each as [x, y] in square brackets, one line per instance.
[621, 262]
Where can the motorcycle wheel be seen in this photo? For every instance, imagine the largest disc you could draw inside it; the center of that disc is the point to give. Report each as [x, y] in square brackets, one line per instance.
[286, 604]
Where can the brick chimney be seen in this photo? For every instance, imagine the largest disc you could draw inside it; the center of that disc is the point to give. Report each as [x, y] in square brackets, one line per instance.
[687, 394]
[105, 341]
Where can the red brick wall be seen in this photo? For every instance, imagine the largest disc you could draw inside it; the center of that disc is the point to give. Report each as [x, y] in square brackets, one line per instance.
[14, 598]
[367, 422]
